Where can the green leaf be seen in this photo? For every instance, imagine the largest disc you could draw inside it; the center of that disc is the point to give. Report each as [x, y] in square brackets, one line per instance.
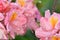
[57, 9]
[44, 5]
[13, 0]
[28, 36]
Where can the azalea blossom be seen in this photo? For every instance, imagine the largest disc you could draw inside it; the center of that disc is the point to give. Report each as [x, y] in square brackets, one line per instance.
[15, 22]
[31, 12]
[49, 26]
[16, 18]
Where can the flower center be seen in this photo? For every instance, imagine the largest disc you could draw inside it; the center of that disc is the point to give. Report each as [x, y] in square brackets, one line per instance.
[53, 21]
[21, 2]
[13, 17]
[55, 38]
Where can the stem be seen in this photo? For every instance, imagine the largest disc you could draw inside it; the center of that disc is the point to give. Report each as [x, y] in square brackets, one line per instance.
[54, 5]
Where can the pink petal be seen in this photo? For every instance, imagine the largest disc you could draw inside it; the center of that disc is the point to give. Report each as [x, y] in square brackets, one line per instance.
[47, 13]
[1, 17]
[44, 23]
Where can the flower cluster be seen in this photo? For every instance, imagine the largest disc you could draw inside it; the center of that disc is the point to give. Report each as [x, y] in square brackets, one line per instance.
[17, 17]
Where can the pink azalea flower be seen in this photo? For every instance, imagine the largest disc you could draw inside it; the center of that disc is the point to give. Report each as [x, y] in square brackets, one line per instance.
[49, 26]
[30, 8]
[15, 22]
[31, 12]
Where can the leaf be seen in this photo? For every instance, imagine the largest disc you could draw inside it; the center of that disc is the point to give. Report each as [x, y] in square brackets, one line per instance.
[28, 36]
[58, 6]
[13, 0]
[44, 5]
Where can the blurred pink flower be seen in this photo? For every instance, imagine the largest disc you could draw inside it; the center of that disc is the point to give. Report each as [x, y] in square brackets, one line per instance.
[49, 26]
[31, 12]
[15, 22]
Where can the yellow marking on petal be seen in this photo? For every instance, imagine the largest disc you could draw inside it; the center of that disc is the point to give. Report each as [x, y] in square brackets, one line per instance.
[13, 17]
[54, 38]
[21, 2]
[53, 21]
[58, 38]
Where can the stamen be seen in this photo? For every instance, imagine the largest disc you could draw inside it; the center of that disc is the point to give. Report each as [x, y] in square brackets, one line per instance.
[53, 21]
[21, 2]
[54, 38]
[13, 17]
